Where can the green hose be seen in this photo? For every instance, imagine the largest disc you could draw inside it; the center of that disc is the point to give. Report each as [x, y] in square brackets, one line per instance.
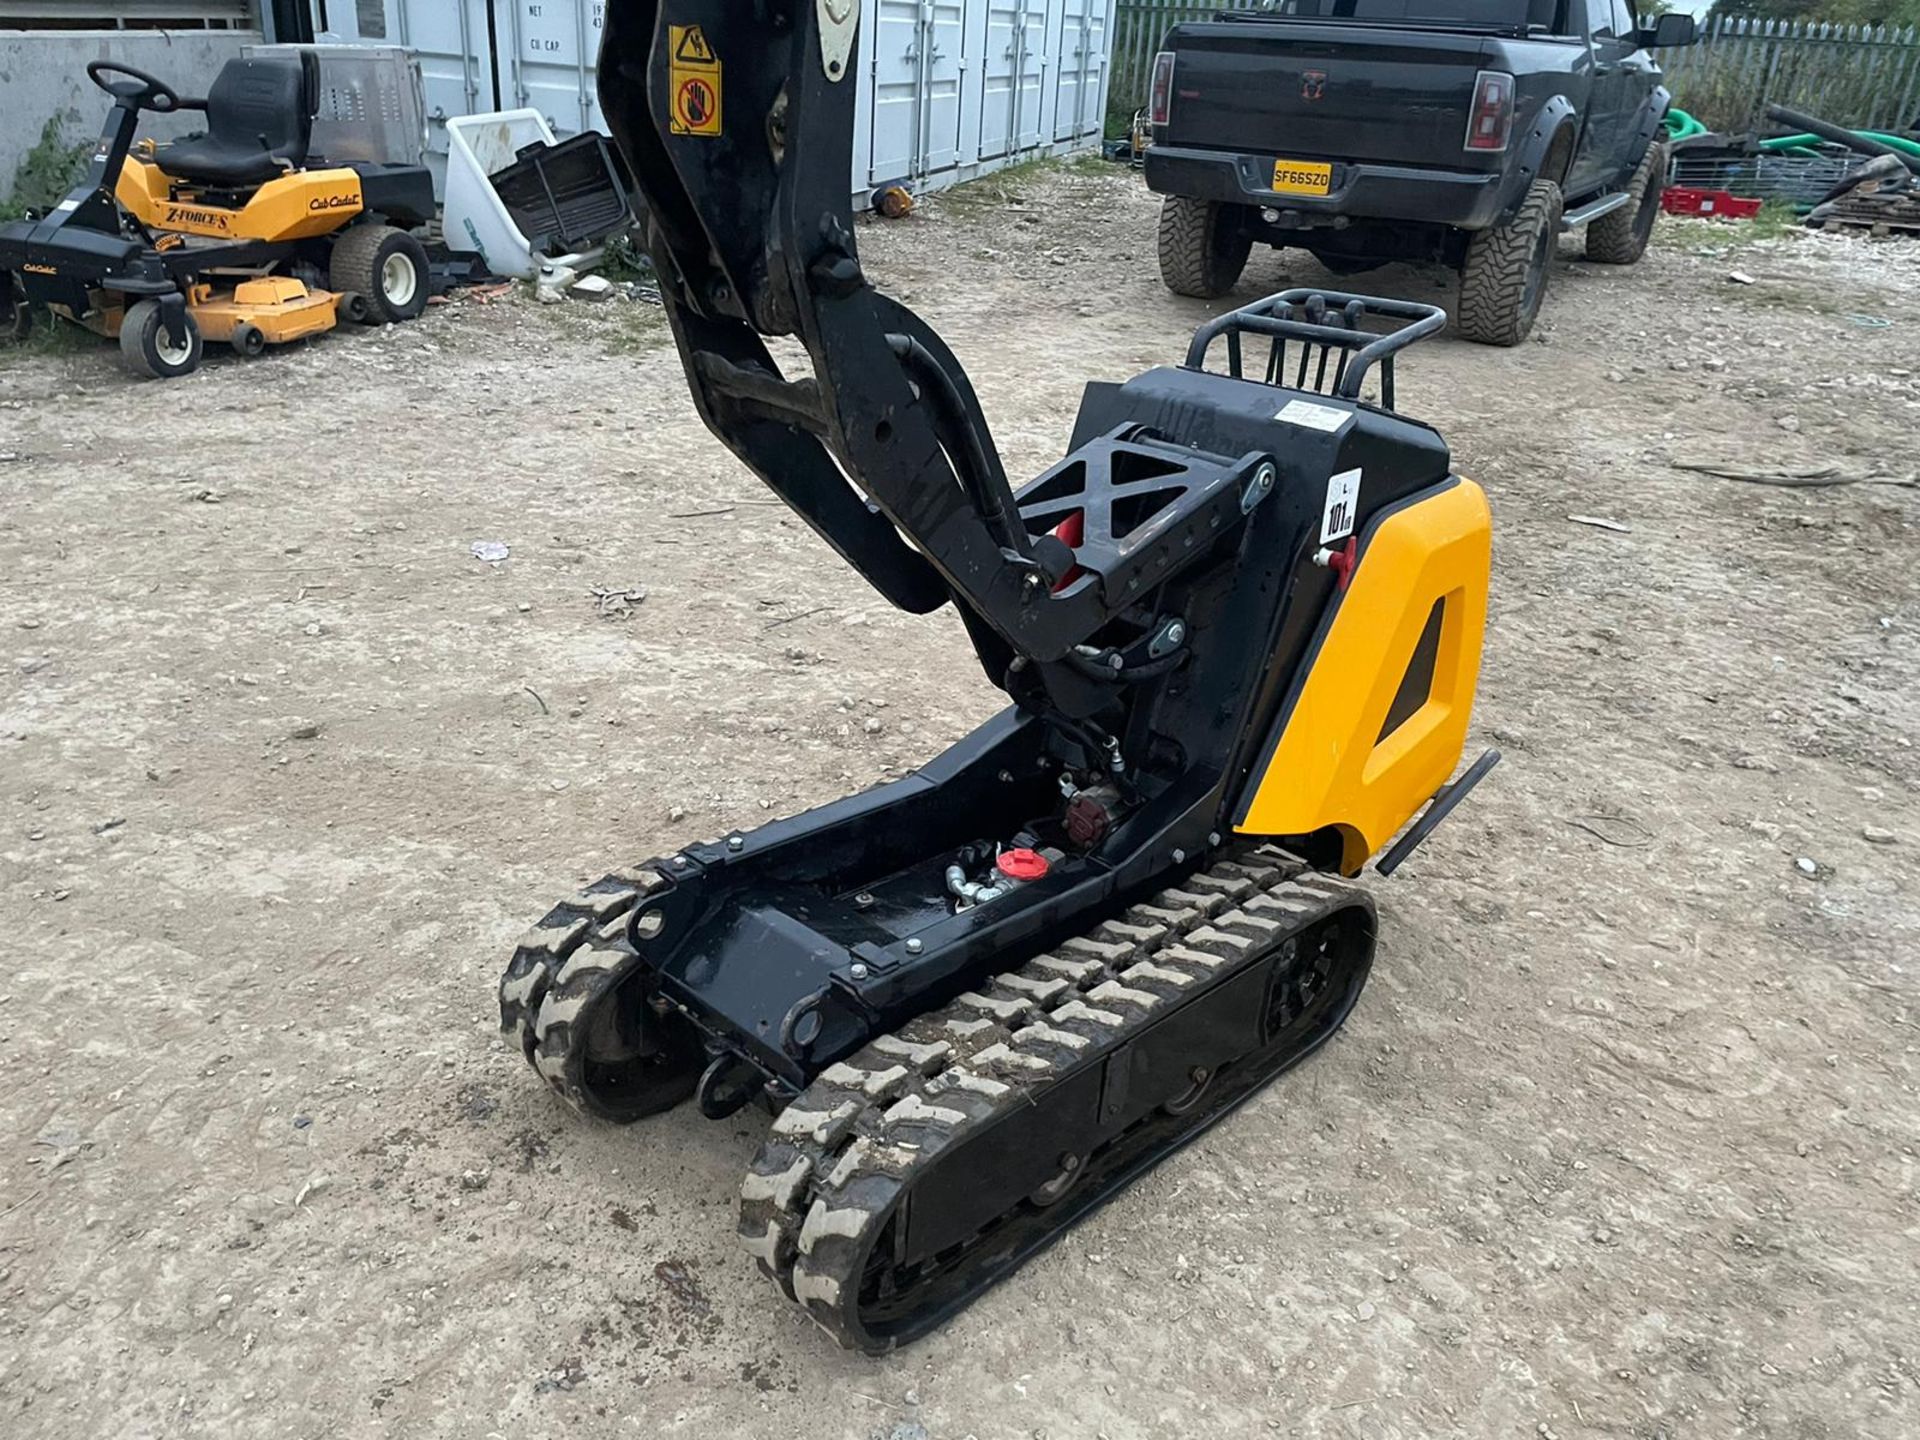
[1807, 142]
[1681, 126]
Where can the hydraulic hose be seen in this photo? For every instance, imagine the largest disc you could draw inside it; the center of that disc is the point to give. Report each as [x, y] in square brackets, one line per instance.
[1106, 675]
[984, 482]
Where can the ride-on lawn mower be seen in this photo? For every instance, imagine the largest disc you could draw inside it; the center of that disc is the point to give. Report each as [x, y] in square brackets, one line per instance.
[1239, 624]
[236, 235]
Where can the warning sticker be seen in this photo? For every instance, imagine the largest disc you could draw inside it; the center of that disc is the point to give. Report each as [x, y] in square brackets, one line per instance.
[690, 47]
[695, 72]
[1314, 417]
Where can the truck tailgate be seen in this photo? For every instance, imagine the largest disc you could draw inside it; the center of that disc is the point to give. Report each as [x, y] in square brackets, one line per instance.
[1343, 91]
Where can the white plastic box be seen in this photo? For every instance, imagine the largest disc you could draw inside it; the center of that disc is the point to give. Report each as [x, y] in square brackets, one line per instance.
[472, 216]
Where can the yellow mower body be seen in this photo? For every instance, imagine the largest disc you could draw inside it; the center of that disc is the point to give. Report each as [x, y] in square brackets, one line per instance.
[298, 206]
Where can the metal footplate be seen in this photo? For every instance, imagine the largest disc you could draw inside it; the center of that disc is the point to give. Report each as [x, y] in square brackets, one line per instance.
[936, 1160]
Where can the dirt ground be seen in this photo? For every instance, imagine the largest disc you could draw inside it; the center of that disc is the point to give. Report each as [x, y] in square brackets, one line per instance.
[1620, 1141]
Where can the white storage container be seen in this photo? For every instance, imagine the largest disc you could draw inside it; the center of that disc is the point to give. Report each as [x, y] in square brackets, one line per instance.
[949, 89]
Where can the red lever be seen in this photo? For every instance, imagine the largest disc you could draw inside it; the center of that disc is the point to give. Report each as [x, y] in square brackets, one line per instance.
[1342, 562]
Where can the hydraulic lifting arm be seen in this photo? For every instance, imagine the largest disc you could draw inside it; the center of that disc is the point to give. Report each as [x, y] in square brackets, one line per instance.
[737, 118]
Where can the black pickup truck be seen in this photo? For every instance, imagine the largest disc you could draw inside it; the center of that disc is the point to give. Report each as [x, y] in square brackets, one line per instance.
[1469, 132]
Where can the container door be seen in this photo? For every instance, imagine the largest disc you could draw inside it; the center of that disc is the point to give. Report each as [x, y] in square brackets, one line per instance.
[944, 28]
[919, 57]
[860, 178]
[1081, 46]
[456, 70]
[896, 89]
[545, 53]
[1014, 63]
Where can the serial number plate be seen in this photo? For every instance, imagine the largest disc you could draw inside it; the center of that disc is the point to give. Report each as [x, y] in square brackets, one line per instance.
[1302, 177]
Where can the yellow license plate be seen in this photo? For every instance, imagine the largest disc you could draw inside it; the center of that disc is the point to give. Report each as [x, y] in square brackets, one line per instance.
[1302, 177]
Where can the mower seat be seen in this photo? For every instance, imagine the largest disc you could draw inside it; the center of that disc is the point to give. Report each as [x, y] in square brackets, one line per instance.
[259, 122]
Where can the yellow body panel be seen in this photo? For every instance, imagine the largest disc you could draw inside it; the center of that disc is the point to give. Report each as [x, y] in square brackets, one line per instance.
[1333, 768]
[297, 206]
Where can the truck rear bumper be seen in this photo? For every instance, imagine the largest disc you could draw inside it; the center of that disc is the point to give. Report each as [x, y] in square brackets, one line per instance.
[1457, 198]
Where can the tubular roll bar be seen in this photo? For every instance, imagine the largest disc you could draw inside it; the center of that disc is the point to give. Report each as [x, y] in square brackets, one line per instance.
[1327, 319]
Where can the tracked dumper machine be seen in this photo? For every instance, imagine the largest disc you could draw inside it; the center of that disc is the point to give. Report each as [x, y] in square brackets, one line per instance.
[1239, 624]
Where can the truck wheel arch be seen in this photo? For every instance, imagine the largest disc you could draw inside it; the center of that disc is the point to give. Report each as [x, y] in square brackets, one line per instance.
[1647, 122]
[1559, 157]
[1546, 152]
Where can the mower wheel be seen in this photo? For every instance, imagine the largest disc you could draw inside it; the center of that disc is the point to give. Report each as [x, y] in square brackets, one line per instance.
[147, 350]
[386, 265]
[16, 315]
[248, 340]
[352, 307]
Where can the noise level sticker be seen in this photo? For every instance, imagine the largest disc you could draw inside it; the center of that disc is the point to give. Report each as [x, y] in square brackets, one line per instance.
[1343, 506]
[695, 72]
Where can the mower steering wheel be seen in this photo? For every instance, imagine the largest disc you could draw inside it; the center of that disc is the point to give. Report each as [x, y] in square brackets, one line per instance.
[149, 93]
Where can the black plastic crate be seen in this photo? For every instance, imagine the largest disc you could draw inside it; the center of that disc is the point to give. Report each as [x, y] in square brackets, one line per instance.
[568, 196]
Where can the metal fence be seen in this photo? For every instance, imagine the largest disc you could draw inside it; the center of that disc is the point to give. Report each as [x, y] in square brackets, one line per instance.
[1856, 75]
[1138, 28]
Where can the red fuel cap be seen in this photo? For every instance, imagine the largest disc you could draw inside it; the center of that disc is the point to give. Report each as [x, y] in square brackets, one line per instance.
[1022, 864]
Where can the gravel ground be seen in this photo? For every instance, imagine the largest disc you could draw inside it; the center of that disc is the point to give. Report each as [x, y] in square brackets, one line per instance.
[1620, 1141]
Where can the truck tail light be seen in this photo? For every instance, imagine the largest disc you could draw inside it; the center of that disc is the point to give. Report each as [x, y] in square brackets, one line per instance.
[1160, 93]
[1490, 122]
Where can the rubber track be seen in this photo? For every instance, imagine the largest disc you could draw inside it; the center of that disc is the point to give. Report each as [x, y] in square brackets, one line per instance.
[839, 1155]
[1494, 279]
[1610, 239]
[578, 949]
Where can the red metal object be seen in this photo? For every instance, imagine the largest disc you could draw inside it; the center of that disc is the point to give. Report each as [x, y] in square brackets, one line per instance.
[1022, 865]
[1071, 532]
[1087, 821]
[1679, 200]
[1342, 561]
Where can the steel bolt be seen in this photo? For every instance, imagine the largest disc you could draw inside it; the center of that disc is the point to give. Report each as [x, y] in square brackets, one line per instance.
[914, 947]
[1069, 1162]
[736, 844]
[679, 862]
[857, 970]
[1213, 837]
[863, 901]
[1176, 632]
[1179, 857]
